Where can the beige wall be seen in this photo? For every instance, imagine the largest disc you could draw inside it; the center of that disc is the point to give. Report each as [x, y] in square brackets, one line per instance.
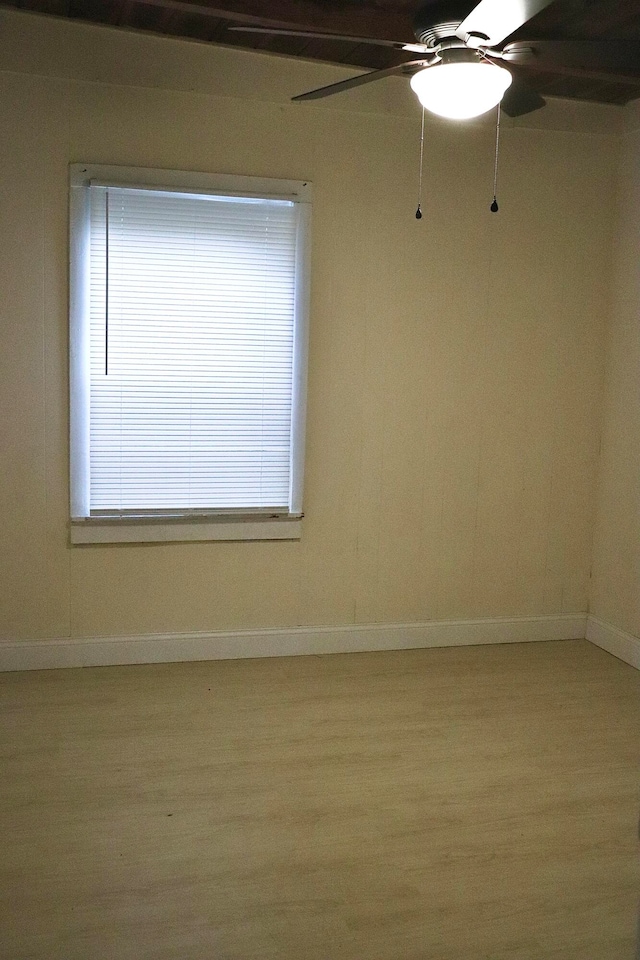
[615, 594]
[456, 363]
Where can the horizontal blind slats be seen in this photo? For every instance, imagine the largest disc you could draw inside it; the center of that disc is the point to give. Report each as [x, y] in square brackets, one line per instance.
[195, 409]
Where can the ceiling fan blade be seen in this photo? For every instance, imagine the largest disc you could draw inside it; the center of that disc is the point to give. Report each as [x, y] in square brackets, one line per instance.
[361, 79]
[611, 57]
[494, 20]
[520, 98]
[312, 35]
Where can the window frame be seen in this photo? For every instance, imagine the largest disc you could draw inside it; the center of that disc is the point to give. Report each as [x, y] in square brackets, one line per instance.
[183, 525]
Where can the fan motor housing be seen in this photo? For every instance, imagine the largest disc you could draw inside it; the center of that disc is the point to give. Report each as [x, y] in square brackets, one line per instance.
[437, 21]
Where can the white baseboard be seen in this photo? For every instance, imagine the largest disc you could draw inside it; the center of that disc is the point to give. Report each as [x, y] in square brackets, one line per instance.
[168, 648]
[622, 645]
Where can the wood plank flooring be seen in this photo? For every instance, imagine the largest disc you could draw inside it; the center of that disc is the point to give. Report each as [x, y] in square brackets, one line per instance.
[475, 803]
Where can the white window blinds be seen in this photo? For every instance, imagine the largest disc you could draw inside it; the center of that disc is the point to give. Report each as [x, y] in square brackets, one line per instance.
[192, 303]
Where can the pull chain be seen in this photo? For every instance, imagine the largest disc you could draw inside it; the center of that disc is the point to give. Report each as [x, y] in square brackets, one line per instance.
[106, 284]
[494, 205]
[419, 211]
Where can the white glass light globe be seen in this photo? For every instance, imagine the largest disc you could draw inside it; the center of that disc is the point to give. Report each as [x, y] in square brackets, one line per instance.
[460, 91]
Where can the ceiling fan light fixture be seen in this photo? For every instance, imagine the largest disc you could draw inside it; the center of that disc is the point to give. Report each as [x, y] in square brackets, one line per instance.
[461, 90]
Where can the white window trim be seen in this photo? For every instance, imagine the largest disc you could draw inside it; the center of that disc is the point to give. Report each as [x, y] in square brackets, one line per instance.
[181, 527]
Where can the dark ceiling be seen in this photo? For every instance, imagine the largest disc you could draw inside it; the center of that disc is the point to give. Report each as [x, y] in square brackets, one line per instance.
[209, 20]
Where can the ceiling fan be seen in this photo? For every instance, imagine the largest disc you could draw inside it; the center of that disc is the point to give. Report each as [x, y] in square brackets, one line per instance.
[460, 69]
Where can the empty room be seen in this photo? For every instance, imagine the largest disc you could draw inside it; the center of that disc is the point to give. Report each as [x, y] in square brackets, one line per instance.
[320, 540]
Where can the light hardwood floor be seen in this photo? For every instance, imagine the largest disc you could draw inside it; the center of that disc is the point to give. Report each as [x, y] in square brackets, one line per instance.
[473, 803]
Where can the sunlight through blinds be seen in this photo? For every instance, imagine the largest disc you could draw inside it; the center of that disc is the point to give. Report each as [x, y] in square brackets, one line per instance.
[191, 351]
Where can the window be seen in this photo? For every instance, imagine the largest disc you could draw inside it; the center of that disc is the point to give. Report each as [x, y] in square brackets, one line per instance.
[189, 301]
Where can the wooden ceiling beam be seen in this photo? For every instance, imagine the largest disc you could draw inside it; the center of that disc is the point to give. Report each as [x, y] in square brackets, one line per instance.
[581, 73]
[125, 12]
[364, 20]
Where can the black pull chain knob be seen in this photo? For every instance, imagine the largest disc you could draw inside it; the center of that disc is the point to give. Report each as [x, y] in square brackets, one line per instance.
[418, 213]
[494, 206]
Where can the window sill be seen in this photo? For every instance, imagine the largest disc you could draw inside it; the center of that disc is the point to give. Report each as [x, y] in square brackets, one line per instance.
[117, 530]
